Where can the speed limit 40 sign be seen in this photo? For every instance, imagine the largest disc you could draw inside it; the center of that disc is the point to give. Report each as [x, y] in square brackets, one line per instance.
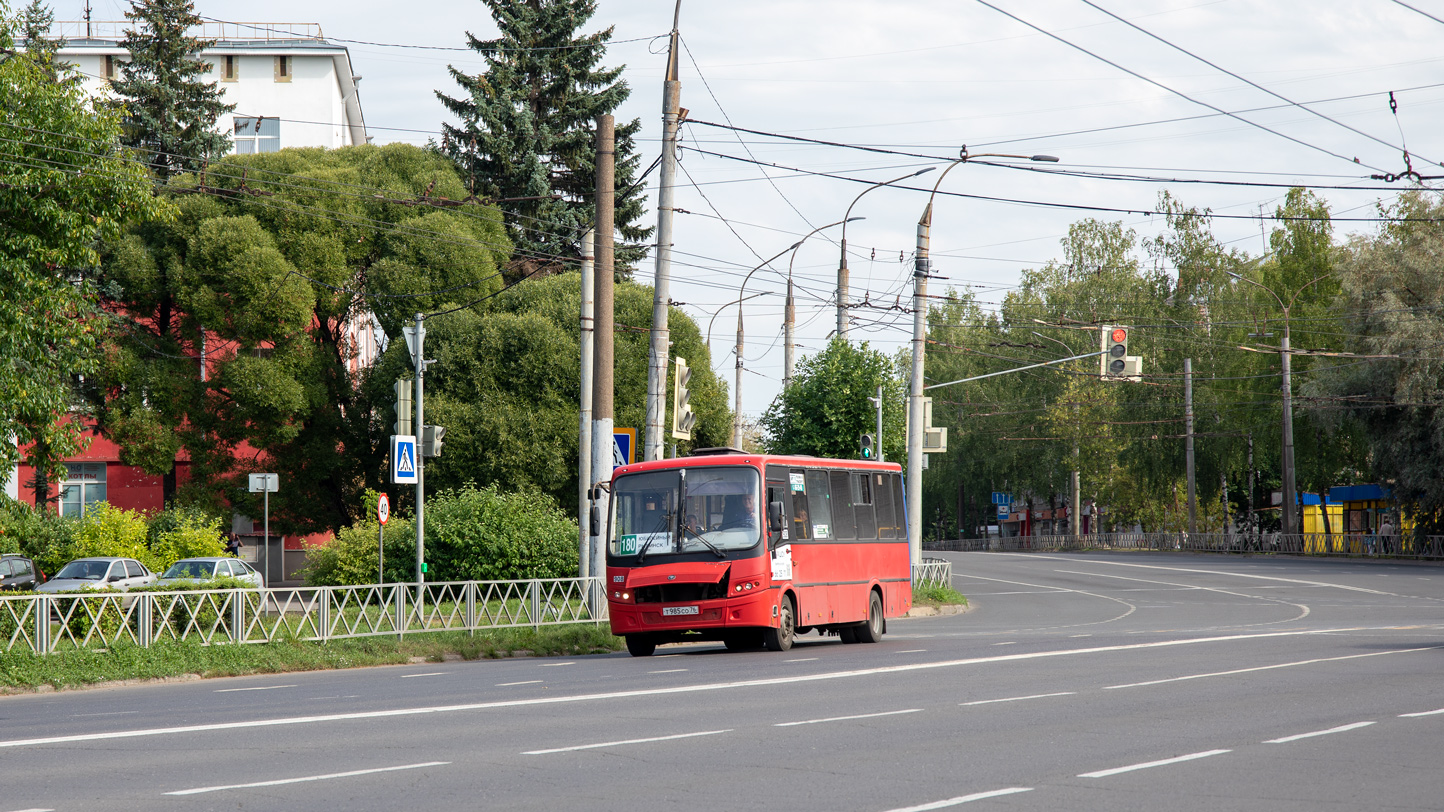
[383, 508]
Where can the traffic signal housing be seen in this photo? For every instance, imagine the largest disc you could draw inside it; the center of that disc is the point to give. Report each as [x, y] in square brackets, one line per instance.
[868, 447]
[402, 425]
[431, 440]
[1114, 362]
[683, 418]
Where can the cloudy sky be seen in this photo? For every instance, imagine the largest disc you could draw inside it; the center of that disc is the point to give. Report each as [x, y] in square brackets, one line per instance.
[928, 76]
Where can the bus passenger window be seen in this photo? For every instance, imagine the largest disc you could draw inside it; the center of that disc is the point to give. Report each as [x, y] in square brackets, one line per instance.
[882, 496]
[819, 507]
[801, 526]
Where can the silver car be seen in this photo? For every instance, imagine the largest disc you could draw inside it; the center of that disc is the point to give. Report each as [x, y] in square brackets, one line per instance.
[99, 573]
[207, 569]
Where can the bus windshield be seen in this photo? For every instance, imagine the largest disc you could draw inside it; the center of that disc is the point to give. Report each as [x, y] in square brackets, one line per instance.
[689, 510]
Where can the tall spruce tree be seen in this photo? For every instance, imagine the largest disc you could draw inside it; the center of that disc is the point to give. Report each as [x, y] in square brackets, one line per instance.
[527, 133]
[36, 20]
[171, 112]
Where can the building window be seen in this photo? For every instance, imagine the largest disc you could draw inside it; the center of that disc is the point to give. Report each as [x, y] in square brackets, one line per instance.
[283, 69]
[107, 67]
[84, 485]
[255, 134]
[230, 71]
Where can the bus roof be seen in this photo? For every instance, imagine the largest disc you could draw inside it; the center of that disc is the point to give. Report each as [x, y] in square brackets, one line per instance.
[729, 457]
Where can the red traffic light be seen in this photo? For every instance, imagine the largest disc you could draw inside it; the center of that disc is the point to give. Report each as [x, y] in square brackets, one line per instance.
[1118, 336]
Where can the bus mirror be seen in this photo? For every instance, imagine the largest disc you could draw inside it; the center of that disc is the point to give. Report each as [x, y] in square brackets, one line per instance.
[595, 520]
[774, 517]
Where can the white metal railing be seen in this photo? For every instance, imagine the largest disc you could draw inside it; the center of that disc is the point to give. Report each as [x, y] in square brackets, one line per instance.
[934, 571]
[47, 623]
[1309, 544]
[221, 30]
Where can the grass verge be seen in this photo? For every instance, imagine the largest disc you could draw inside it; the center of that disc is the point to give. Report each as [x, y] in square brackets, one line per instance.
[937, 595]
[24, 671]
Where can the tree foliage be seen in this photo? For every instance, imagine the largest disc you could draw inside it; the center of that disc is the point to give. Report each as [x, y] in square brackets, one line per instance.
[826, 409]
[527, 137]
[171, 112]
[64, 188]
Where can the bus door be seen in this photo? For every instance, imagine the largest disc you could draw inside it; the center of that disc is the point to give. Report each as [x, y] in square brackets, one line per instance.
[779, 544]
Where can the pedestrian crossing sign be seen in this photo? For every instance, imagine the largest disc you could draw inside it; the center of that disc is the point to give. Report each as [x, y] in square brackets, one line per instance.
[403, 459]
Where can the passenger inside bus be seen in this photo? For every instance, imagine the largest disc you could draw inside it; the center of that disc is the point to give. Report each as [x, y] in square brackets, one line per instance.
[740, 511]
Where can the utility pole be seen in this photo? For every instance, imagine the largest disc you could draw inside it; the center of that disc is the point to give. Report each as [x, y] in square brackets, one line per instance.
[419, 364]
[602, 442]
[1250, 483]
[877, 401]
[584, 438]
[737, 387]
[661, 345]
[1188, 443]
[1290, 492]
[915, 394]
[789, 324]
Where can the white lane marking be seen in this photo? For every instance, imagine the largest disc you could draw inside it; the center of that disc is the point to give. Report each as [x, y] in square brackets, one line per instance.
[962, 799]
[431, 674]
[39, 810]
[523, 682]
[1015, 698]
[677, 689]
[1080, 635]
[1339, 729]
[1131, 607]
[262, 688]
[1271, 667]
[668, 671]
[553, 665]
[1227, 572]
[108, 713]
[1009, 643]
[1425, 713]
[801, 660]
[848, 718]
[1304, 609]
[625, 741]
[1147, 764]
[907, 651]
[327, 777]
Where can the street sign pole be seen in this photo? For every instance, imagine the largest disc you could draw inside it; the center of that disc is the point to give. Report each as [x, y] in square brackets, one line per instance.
[383, 512]
[264, 484]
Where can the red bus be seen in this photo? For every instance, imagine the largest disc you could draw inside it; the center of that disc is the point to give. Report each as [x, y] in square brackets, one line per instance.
[693, 553]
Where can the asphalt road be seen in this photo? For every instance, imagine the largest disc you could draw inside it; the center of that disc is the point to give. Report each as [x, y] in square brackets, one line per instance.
[1077, 682]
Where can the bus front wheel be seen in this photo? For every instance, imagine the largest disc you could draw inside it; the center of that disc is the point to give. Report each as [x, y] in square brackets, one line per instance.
[640, 645]
[780, 638]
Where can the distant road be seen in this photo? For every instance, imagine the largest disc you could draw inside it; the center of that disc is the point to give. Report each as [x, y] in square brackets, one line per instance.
[1076, 682]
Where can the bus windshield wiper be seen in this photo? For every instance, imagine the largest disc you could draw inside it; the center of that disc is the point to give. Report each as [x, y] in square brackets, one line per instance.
[709, 544]
[651, 537]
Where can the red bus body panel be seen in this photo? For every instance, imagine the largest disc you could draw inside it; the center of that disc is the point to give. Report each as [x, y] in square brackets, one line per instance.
[831, 582]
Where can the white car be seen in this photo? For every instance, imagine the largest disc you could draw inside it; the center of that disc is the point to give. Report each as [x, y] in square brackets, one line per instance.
[207, 569]
[99, 573]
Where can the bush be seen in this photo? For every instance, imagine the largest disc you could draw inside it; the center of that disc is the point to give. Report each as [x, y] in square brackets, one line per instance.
[44, 537]
[481, 534]
[106, 530]
[184, 533]
[350, 557]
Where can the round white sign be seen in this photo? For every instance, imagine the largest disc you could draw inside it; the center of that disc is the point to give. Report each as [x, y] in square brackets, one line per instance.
[383, 508]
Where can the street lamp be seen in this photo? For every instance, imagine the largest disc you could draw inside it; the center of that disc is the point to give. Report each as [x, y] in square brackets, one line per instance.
[920, 326]
[742, 291]
[842, 280]
[1290, 513]
[789, 311]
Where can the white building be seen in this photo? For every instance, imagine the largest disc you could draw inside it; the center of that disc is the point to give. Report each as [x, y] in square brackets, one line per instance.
[290, 86]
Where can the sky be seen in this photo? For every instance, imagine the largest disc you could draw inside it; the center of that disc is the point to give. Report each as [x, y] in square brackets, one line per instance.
[928, 77]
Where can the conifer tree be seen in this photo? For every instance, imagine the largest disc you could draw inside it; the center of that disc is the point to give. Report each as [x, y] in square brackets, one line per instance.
[171, 112]
[35, 22]
[527, 137]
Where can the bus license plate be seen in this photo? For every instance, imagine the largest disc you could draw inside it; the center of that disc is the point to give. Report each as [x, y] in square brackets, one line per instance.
[679, 610]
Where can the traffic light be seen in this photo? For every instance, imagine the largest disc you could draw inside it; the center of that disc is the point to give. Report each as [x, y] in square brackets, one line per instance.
[1114, 363]
[683, 418]
[431, 440]
[869, 449]
[403, 408]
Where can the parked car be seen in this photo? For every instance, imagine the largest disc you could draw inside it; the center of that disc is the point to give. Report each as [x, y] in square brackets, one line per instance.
[99, 573]
[207, 569]
[19, 572]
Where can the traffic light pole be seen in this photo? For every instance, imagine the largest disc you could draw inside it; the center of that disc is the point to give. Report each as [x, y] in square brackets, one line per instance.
[420, 367]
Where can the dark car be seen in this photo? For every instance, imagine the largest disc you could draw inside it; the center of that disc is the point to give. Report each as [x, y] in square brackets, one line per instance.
[19, 572]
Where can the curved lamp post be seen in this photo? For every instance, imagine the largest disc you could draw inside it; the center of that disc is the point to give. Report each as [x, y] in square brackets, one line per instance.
[790, 312]
[842, 275]
[737, 393]
[920, 326]
[1291, 523]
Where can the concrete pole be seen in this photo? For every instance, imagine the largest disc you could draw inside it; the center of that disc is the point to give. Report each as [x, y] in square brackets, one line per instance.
[737, 387]
[602, 443]
[1290, 512]
[881, 457]
[789, 325]
[419, 427]
[915, 396]
[584, 437]
[661, 344]
[1188, 444]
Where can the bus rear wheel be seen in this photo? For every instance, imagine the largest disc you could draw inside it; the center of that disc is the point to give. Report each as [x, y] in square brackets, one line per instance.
[780, 638]
[871, 631]
[640, 645]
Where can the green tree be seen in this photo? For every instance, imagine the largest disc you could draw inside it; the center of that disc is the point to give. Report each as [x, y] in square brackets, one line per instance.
[171, 112]
[35, 22]
[527, 137]
[270, 272]
[64, 188]
[826, 409]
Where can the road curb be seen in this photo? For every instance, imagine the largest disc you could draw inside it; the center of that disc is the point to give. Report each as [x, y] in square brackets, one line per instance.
[935, 611]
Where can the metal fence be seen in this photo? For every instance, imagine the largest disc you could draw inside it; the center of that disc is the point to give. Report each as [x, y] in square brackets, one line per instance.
[933, 572]
[1309, 544]
[47, 623]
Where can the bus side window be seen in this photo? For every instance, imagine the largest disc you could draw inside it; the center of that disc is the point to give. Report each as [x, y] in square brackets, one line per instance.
[819, 507]
[899, 503]
[862, 506]
[882, 499]
[801, 526]
[842, 505]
